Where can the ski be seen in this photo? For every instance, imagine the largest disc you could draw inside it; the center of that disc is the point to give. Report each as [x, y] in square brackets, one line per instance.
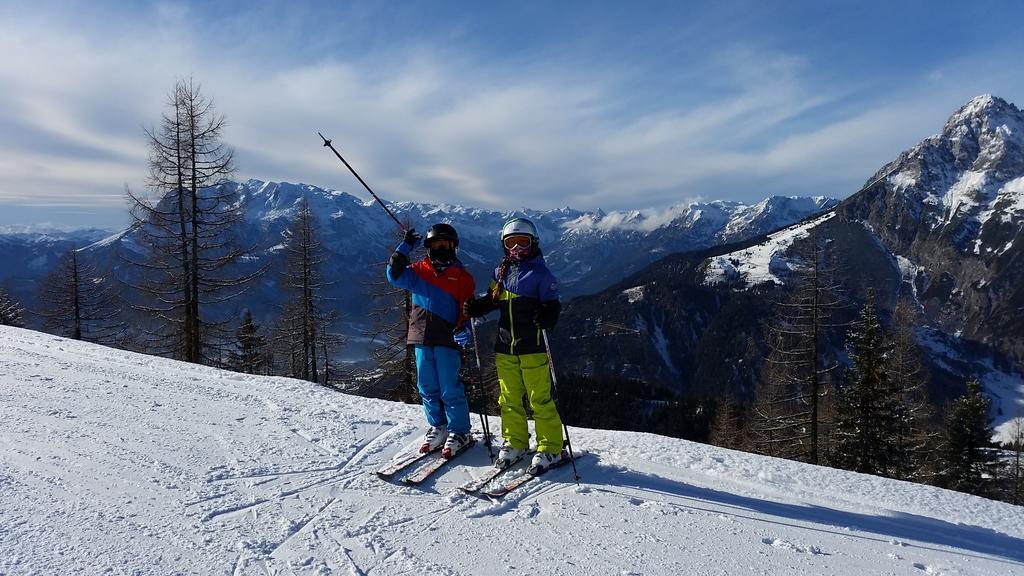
[425, 472]
[396, 466]
[475, 485]
[514, 483]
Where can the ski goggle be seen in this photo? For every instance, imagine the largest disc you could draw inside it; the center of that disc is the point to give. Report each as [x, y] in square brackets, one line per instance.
[519, 240]
[441, 243]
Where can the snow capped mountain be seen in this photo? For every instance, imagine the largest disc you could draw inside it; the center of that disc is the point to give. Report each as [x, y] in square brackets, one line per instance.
[120, 463]
[939, 226]
[587, 250]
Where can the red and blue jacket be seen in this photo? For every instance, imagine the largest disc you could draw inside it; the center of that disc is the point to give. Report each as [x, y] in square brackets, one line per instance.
[437, 297]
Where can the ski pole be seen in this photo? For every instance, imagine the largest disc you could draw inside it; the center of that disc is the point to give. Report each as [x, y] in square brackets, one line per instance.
[328, 144]
[554, 384]
[484, 421]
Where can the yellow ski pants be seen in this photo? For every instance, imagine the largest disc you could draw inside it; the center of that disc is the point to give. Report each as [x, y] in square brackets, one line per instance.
[528, 374]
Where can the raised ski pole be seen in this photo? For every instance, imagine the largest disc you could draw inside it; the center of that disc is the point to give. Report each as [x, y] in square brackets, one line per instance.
[554, 384]
[484, 423]
[327, 143]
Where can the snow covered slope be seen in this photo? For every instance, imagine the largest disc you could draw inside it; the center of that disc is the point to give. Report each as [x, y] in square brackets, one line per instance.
[112, 462]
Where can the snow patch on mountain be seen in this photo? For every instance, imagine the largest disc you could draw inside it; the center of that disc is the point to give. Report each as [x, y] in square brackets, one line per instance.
[634, 295]
[760, 263]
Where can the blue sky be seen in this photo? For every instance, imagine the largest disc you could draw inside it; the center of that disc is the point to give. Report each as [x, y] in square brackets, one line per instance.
[612, 105]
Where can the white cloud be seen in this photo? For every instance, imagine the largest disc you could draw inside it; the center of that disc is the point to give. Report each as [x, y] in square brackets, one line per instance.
[429, 126]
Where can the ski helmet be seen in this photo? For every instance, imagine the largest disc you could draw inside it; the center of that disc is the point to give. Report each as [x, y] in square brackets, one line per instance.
[512, 231]
[441, 257]
[520, 226]
[441, 232]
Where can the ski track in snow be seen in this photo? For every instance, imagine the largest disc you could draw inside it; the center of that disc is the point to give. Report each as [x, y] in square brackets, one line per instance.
[120, 463]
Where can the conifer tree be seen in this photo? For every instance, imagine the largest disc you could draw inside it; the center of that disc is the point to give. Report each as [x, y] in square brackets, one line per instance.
[793, 382]
[78, 302]
[250, 356]
[915, 437]
[727, 424]
[11, 312]
[188, 230]
[305, 326]
[865, 427]
[968, 457]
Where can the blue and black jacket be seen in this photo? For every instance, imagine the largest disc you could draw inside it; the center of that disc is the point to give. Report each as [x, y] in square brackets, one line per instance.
[437, 297]
[528, 291]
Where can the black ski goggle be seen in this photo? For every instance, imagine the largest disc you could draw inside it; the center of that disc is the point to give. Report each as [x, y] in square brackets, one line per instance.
[441, 243]
[513, 241]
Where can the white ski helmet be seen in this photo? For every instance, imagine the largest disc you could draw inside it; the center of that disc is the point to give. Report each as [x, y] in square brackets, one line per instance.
[520, 226]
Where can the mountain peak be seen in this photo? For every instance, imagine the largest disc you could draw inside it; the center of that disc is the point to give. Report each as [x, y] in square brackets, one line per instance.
[986, 112]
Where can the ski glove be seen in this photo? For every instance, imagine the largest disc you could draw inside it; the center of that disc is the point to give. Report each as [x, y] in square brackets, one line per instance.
[477, 307]
[412, 237]
[547, 315]
[398, 263]
[462, 336]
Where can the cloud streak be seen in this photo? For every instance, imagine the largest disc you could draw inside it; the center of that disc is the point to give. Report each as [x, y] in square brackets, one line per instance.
[423, 122]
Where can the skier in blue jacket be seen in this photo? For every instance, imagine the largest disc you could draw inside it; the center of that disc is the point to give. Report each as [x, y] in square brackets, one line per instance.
[440, 286]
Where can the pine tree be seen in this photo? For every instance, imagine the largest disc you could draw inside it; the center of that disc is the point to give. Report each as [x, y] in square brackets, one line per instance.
[968, 457]
[11, 312]
[865, 427]
[78, 302]
[250, 356]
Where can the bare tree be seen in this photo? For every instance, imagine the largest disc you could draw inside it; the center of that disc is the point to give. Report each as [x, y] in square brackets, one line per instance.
[727, 424]
[916, 439]
[797, 366]
[304, 328]
[77, 301]
[188, 230]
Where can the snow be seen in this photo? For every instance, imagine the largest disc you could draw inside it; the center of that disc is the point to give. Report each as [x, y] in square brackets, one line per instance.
[1004, 387]
[755, 264]
[634, 294]
[120, 463]
[903, 181]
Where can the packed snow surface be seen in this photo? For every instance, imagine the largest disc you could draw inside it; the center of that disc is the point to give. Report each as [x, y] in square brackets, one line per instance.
[118, 463]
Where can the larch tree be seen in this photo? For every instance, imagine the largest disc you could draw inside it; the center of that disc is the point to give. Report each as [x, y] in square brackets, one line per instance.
[78, 302]
[304, 329]
[188, 230]
[795, 378]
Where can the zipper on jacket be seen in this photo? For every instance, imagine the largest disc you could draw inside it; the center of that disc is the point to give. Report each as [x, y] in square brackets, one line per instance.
[511, 326]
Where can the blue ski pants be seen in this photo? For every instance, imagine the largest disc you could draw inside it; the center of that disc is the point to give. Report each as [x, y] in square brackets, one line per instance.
[444, 398]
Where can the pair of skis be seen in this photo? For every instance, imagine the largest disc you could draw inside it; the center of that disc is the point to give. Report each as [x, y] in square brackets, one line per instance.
[472, 487]
[511, 484]
[420, 475]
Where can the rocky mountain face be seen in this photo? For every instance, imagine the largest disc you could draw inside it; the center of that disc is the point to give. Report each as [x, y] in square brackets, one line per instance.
[940, 226]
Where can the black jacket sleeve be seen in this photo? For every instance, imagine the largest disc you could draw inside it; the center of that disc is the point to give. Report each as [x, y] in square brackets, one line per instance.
[547, 314]
[477, 307]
